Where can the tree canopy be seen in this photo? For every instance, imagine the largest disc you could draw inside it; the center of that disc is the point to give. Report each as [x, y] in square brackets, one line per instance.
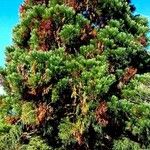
[77, 76]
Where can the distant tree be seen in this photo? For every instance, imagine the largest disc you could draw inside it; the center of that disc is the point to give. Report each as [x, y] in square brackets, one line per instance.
[77, 78]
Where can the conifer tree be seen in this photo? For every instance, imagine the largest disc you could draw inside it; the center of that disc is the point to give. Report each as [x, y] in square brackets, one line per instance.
[77, 78]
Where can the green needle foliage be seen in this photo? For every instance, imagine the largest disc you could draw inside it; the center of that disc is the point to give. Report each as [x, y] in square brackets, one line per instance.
[77, 77]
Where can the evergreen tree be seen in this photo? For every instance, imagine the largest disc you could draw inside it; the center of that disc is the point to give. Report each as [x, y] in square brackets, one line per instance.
[77, 78]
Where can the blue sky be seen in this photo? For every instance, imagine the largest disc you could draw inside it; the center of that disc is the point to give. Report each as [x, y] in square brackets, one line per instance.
[9, 17]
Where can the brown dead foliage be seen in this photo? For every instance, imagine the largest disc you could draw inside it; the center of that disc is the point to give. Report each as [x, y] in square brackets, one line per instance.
[101, 113]
[11, 119]
[45, 34]
[41, 2]
[27, 1]
[87, 33]
[71, 3]
[44, 112]
[78, 5]
[142, 40]
[128, 75]
[22, 9]
[79, 137]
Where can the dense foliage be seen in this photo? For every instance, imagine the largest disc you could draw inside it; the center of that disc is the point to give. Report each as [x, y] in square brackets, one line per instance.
[77, 77]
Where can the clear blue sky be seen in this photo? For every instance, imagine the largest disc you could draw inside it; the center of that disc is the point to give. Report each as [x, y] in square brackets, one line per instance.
[9, 18]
